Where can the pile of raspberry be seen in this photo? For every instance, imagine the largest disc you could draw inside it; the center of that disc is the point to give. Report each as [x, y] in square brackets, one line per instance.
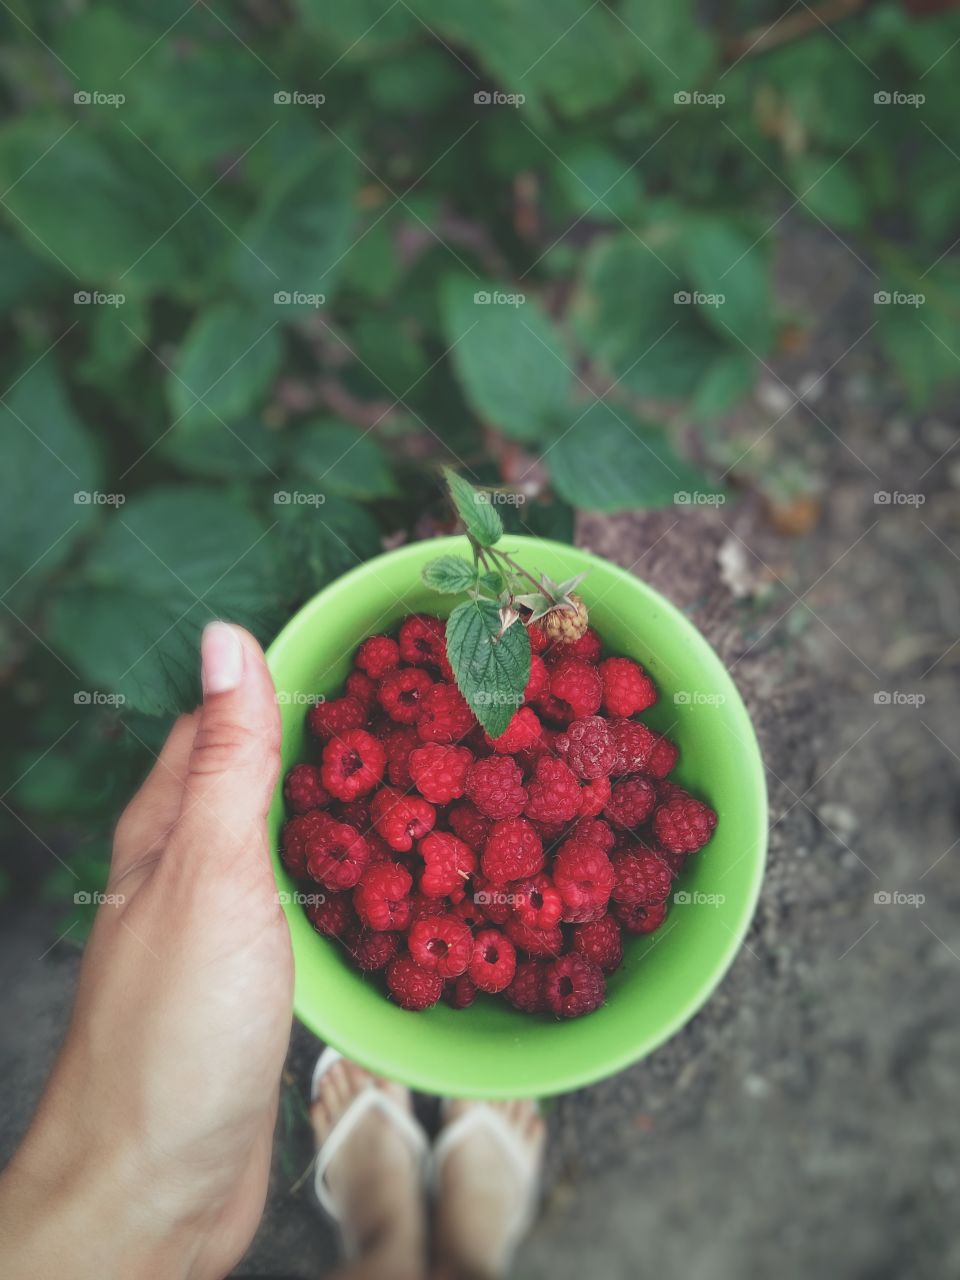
[454, 863]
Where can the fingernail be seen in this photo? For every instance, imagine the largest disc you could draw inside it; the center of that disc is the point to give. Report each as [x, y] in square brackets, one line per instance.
[221, 658]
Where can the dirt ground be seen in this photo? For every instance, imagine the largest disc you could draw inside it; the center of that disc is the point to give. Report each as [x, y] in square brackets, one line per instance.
[805, 1122]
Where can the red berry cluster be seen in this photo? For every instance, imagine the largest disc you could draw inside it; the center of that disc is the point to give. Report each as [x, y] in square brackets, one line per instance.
[456, 863]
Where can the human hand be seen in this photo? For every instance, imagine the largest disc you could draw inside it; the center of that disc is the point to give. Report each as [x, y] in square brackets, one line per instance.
[150, 1150]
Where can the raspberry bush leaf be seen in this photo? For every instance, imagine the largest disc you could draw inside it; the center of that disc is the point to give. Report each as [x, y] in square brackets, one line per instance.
[475, 509]
[491, 668]
[450, 574]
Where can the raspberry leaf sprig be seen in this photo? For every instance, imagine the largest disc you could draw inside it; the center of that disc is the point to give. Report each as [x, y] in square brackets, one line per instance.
[489, 653]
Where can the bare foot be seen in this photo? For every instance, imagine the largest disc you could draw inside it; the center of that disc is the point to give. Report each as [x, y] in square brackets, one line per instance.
[374, 1178]
[485, 1194]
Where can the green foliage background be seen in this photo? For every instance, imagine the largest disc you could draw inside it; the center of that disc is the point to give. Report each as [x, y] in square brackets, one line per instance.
[402, 197]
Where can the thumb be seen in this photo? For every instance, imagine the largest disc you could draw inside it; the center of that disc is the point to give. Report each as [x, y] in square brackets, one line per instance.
[235, 758]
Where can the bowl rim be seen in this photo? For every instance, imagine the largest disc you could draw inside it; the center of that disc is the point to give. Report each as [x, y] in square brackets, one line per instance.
[563, 1080]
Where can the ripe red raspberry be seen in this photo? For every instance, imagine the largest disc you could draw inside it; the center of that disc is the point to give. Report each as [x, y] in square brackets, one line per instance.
[642, 878]
[640, 919]
[493, 962]
[362, 688]
[398, 742]
[627, 688]
[578, 685]
[683, 824]
[448, 863]
[401, 693]
[470, 913]
[372, 951]
[423, 907]
[526, 991]
[442, 944]
[554, 794]
[596, 831]
[423, 639]
[353, 764]
[584, 876]
[573, 986]
[600, 941]
[588, 748]
[466, 821]
[303, 789]
[440, 772]
[334, 917]
[495, 901]
[539, 640]
[640, 750]
[337, 855]
[513, 851]
[631, 802]
[377, 656]
[586, 649]
[401, 819]
[356, 812]
[495, 786]
[537, 902]
[445, 715]
[522, 733]
[535, 942]
[296, 836]
[538, 682]
[411, 986]
[461, 992]
[329, 719]
[382, 898]
[594, 796]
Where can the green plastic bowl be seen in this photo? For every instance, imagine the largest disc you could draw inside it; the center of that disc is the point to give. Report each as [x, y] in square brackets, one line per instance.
[491, 1050]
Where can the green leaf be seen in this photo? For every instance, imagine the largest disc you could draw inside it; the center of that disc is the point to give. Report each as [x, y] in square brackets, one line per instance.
[625, 314]
[227, 361]
[829, 190]
[301, 232]
[243, 449]
[47, 484]
[508, 357]
[599, 184]
[338, 458]
[609, 462]
[167, 563]
[324, 541]
[673, 51]
[724, 263]
[131, 223]
[450, 574]
[475, 509]
[491, 670]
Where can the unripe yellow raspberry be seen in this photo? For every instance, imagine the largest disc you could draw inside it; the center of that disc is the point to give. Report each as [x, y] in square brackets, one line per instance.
[564, 625]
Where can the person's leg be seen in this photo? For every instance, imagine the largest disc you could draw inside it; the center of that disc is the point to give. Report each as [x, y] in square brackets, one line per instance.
[374, 1179]
[487, 1191]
